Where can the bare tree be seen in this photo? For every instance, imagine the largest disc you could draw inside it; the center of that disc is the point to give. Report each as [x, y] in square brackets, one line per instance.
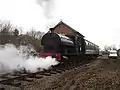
[32, 33]
[20, 30]
[35, 34]
[6, 29]
[16, 32]
[39, 34]
[107, 48]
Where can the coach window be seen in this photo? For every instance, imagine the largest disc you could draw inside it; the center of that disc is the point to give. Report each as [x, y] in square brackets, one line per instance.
[86, 43]
[92, 46]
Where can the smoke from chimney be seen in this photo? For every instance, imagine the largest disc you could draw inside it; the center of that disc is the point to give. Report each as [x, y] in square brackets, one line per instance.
[48, 7]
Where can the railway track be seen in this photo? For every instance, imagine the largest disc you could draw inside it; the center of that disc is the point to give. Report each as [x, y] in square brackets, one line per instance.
[16, 79]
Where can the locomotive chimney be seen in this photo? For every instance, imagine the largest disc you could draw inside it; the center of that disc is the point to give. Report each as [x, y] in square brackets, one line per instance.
[51, 30]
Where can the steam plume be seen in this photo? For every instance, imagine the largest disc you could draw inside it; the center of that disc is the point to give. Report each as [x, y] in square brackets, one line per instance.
[48, 7]
[12, 58]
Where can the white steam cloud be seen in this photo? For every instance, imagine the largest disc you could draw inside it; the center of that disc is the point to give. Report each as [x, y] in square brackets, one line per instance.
[12, 58]
[48, 7]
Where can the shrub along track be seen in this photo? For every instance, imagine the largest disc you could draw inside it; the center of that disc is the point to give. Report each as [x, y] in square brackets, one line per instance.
[18, 79]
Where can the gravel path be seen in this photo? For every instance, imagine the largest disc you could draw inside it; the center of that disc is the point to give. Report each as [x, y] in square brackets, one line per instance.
[98, 75]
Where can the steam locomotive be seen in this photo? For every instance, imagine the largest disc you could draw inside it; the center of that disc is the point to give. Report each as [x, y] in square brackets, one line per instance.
[61, 46]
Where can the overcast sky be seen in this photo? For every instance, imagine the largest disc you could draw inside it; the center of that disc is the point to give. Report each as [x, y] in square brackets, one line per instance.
[97, 20]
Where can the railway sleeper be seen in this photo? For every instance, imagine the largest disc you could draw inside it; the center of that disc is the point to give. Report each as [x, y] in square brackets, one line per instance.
[28, 79]
[11, 83]
[25, 78]
[38, 76]
[35, 76]
[2, 88]
[63, 69]
[58, 70]
[46, 74]
[53, 72]
[5, 75]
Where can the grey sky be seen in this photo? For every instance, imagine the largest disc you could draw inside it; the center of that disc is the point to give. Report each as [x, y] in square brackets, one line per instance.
[97, 20]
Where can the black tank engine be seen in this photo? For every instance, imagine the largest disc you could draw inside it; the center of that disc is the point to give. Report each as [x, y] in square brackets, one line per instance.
[59, 46]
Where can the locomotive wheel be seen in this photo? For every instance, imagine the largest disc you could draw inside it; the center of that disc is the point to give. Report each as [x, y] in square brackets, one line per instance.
[118, 53]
